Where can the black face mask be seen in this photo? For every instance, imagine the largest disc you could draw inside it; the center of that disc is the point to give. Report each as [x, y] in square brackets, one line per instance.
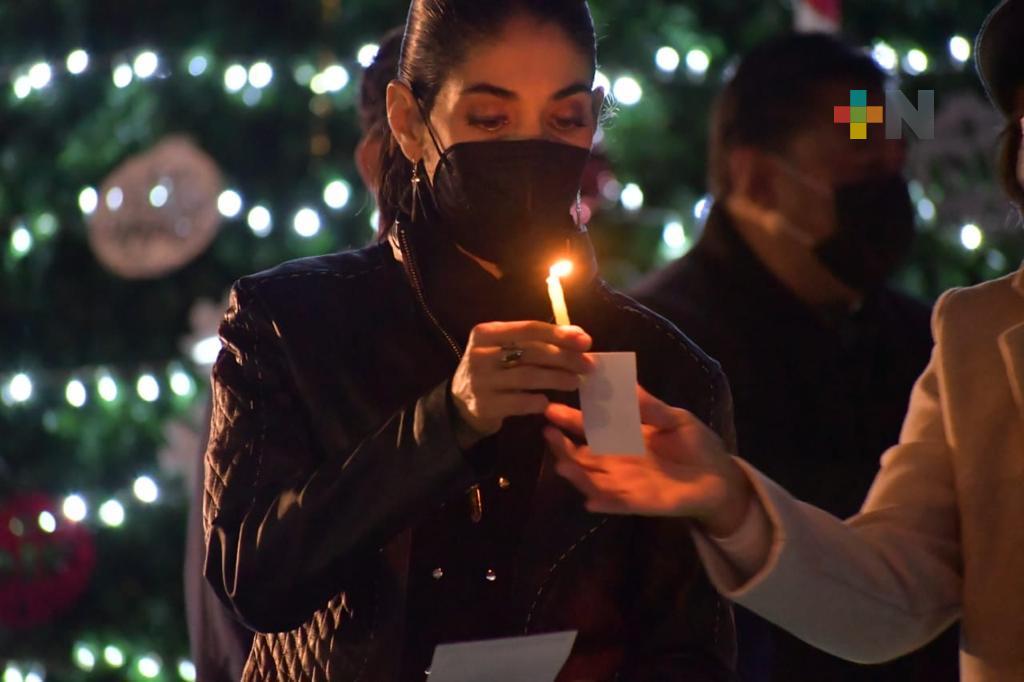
[509, 202]
[874, 232]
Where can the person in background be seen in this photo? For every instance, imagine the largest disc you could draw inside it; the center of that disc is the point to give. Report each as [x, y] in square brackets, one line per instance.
[939, 538]
[219, 642]
[787, 288]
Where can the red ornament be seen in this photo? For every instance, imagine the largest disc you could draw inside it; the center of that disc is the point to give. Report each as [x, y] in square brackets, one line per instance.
[41, 573]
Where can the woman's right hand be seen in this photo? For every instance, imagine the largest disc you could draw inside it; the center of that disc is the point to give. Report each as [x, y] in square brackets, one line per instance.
[486, 390]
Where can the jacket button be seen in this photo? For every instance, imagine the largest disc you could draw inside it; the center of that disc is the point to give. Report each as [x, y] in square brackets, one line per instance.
[504, 483]
[438, 573]
[491, 575]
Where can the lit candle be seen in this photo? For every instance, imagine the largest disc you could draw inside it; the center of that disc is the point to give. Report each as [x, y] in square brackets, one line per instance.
[560, 269]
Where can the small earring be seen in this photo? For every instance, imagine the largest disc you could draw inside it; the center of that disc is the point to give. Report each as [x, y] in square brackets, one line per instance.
[415, 181]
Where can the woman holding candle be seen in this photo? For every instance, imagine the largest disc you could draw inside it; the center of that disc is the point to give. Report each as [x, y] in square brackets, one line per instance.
[376, 475]
[939, 538]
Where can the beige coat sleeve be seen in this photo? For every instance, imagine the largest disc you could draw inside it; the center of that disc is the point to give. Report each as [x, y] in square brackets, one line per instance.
[885, 581]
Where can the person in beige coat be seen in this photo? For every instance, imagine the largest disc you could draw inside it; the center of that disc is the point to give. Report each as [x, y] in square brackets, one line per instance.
[941, 534]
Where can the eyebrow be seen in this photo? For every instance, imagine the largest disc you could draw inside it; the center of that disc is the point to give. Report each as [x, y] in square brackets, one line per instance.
[503, 93]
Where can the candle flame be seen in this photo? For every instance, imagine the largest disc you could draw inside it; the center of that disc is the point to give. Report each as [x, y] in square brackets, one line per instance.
[562, 268]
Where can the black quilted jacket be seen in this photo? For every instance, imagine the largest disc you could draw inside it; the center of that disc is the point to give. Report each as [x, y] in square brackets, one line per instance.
[336, 513]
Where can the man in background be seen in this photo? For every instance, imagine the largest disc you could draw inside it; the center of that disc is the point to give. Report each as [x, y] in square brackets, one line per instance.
[787, 289]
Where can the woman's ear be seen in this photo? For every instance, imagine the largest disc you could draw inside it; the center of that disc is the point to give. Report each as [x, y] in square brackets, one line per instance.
[405, 121]
[597, 97]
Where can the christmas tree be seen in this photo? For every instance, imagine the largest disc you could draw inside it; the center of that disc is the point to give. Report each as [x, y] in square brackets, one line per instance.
[150, 154]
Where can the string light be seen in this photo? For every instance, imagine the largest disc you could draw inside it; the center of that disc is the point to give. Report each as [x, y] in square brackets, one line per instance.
[84, 657]
[602, 81]
[367, 53]
[107, 388]
[673, 235]
[181, 383]
[146, 64]
[21, 241]
[113, 656]
[148, 666]
[145, 489]
[336, 194]
[700, 207]
[88, 200]
[260, 75]
[332, 79]
[33, 676]
[148, 388]
[926, 209]
[22, 87]
[47, 522]
[205, 352]
[306, 223]
[627, 91]
[158, 196]
[667, 59]
[111, 513]
[960, 49]
[197, 65]
[235, 78]
[916, 62]
[698, 61]
[885, 56]
[77, 62]
[19, 389]
[187, 671]
[39, 75]
[12, 674]
[115, 198]
[123, 75]
[971, 237]
[260, 221]
[229, 203]
[632, 197]
[75, 393]
[75, 508]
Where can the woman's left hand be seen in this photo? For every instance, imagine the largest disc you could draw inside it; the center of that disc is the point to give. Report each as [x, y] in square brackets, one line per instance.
[686, 471]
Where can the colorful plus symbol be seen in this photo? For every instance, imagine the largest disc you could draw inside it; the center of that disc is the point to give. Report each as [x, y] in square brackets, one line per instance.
[859, 114]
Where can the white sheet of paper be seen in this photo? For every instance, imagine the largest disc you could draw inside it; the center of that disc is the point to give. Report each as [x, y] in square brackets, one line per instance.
[537, 658]
[611, 409]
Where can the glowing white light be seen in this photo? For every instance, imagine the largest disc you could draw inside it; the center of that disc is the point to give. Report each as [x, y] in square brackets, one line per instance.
[926, 209]
[229, 203]
[20, 388]
[88, 200]
[197, 65]
[158, 196]
[12, 674]
[332, 79]
[107, 388]
[46, 224]
[235, 78]
[375, 219]
[885, 56]
[21, 241]
[145, 489]
[971, 237]
[915, 62]
[148, 667]
[303, 74]
[252, 96]
[33, 677]
[115, 198]
[181, 383]
[367, 53]
[112, 513]
[627, 91]
[960, 48]
[39, 75]
[674, 235]
[123, 75]
[148, 388]
[260, 221]
[260, 75]
[205, 352]
[74, 508]
[84, 657]
[22, 87]
[667, 59]
[187, 671]
[47, 522]
[146, 64]
[306, 223]
[78, 61]
[699, 208]
[632, 197]
[337, 193]
[698, 61]
[113, 656]
[602, 81]
[75, 393]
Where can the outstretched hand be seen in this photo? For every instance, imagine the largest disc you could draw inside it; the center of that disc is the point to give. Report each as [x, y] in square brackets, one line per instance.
[686, 471]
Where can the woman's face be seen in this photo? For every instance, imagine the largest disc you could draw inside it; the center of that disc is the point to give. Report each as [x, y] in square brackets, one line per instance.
[529, 82]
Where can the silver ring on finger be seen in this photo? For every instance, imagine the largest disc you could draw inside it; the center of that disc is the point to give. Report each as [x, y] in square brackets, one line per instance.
[511, 356]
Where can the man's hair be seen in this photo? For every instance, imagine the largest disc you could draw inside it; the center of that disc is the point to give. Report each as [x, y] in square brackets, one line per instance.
[777, 91]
